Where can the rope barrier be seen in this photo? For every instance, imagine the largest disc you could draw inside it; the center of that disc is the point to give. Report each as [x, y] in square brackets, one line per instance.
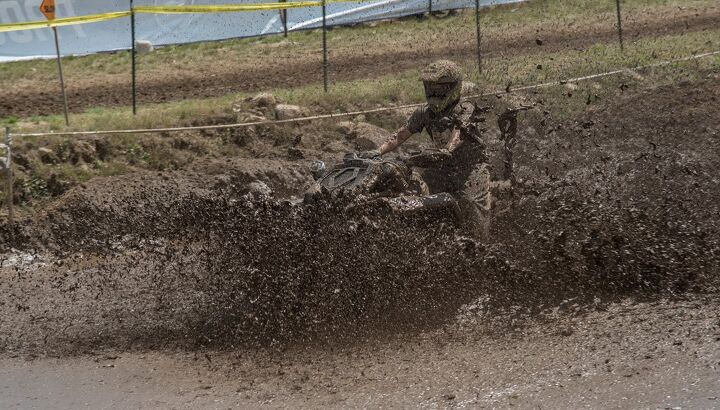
[370, 111]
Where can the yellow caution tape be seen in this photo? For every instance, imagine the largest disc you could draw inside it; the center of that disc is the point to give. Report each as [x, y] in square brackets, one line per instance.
[224, 8]
[66, 21]
[347, 1]
[94, 18]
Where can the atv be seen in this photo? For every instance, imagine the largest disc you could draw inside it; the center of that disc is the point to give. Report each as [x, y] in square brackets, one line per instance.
[396, 182]
[390, 181]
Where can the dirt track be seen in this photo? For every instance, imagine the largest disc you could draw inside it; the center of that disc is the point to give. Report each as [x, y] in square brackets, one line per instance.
[649, 355]
[635, 213]
[223, 77]
[602, 273]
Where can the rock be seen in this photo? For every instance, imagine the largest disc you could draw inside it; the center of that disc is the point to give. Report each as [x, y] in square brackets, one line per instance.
[103, 148]
[264, 100]
[259, 189]
[47, 156]
[538, 41]
[468, 87]
[368, 136]
[143, 47]
[346, 128]
[82, 151]
[318, 168]
[287, 111]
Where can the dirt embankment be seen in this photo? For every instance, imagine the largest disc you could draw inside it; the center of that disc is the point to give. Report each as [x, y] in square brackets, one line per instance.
[622, 201]
[222, 77]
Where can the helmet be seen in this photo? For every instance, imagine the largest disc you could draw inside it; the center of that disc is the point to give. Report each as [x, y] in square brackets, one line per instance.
[443, 83]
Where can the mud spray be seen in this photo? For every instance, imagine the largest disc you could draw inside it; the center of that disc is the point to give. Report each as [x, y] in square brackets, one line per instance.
[604, 207]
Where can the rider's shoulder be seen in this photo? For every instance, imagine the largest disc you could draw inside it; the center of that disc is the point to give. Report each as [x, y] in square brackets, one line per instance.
[423, 113]
[421, 110]
[418, 119]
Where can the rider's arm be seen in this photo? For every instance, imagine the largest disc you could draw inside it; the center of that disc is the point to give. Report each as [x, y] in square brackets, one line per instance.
[455, 141]
[395, 140]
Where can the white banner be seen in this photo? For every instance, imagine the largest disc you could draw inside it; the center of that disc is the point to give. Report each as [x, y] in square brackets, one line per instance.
[164, 29]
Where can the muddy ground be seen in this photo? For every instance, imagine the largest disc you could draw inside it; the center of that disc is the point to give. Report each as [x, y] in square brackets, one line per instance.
[29, 98]
[659, 354]
[599, 282]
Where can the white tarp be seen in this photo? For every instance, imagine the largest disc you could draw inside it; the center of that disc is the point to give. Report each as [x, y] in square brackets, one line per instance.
[163, 29]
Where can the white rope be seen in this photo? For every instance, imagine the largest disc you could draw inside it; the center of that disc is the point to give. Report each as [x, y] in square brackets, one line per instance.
[354, 113]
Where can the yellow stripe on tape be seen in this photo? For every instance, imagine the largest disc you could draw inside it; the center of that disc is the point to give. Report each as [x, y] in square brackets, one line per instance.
[349, 1]
[94, 18]
[67, 21]
[221, 8]
[224, 8]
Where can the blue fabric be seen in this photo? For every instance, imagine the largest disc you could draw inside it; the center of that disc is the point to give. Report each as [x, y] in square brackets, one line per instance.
[163, 29]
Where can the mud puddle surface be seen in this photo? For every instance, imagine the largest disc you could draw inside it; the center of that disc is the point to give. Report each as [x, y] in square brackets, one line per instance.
[660, 354]
[622, 202]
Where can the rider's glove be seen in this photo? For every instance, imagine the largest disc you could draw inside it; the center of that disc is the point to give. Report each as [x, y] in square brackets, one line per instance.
[372, 154]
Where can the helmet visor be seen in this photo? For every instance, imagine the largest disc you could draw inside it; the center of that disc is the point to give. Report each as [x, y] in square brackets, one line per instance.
[437, 90]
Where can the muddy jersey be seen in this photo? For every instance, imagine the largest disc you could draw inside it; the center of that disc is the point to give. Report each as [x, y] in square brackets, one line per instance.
[440, 126]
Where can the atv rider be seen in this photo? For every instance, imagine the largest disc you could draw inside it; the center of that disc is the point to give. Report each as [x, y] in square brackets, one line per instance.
[452, 126]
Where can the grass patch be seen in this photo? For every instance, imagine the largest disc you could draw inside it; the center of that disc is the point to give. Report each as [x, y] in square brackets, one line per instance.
[402, 87]
[405, 34]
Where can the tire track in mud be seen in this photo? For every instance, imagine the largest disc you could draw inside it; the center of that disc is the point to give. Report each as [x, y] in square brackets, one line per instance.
[220, 80]
[621, 202]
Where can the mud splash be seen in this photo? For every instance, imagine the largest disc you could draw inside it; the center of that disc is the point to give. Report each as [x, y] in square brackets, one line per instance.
[605, 207]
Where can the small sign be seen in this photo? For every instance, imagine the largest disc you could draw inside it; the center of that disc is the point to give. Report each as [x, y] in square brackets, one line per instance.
[47, 8]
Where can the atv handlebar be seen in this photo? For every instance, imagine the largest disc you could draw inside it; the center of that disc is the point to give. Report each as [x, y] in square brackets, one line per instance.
[427, 159]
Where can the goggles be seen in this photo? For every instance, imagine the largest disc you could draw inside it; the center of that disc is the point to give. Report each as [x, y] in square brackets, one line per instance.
[438, 90]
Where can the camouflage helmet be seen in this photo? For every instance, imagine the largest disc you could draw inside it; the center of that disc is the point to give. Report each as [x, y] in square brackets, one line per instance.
[443, 82]
[442, 71]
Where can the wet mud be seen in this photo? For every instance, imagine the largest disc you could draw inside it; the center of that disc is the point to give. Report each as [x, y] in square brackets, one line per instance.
[621, 202]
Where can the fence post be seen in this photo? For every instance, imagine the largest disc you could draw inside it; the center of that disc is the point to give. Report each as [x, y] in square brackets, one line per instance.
[60, 72]
[619, 25]
[132, 57]
[478, 34]
[283, 18]
[325, 51]
[9, 174]
[429, 7]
